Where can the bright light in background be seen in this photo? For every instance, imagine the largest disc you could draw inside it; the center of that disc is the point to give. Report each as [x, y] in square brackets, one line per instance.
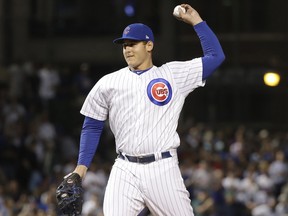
[271, 79]
[129, 10]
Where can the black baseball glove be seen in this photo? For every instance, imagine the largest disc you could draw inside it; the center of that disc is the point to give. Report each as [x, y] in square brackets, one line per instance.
[69, 195]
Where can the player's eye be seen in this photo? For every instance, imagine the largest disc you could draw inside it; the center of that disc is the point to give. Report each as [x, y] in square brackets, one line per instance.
[129, 44]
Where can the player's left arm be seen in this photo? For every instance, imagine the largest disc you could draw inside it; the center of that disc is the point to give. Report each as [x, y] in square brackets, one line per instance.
[212, 50]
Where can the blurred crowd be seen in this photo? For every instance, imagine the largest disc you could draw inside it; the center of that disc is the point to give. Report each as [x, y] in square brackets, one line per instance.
[236, 171]
[229, 170]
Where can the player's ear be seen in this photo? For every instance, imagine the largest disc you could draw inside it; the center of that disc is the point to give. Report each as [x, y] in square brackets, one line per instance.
[149, 46]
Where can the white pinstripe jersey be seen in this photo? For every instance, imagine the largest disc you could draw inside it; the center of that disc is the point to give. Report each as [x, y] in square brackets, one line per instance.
[144, 109]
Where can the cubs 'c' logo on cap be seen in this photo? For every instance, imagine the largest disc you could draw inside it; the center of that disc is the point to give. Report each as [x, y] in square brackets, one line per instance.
[159, 91]
[126, 30]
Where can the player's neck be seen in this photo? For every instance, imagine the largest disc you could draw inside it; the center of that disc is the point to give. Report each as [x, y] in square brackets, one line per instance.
[142, 67]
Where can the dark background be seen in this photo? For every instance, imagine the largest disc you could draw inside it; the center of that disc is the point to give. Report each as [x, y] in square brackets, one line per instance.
[39, 137]
[253, 35]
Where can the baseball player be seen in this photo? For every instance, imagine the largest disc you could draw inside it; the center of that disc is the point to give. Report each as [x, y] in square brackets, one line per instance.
[143, 103]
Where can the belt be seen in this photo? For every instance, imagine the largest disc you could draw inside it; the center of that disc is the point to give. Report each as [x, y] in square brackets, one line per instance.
[144, 159]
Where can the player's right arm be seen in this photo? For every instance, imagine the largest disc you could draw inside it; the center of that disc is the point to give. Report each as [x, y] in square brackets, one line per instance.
[95, 111]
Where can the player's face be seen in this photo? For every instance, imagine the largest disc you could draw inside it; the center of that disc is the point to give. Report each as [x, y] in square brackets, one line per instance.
[137, 54]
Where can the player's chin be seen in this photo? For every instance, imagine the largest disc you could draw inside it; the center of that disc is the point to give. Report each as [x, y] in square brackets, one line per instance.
[131, 64]
[129, 61]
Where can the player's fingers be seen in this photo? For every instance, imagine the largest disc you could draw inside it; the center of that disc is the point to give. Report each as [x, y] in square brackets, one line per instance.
[181, 13]
[186, 6]
[188, 9]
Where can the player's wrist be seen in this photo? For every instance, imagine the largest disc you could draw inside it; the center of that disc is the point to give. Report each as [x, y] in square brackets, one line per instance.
[197, 21]
[81, 170]
[73, 175]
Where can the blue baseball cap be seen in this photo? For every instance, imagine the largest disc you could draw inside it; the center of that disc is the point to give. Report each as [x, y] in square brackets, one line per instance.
[136, 31]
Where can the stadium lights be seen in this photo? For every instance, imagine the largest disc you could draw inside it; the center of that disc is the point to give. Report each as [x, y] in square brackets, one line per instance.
[271, 79]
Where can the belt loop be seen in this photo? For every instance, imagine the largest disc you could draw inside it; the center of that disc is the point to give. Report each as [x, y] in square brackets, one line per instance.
[123, 155]
[158, 156]
[173, 152]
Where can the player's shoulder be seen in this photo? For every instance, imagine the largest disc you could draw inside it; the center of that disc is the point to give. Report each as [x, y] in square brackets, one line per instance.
[114, 74]
[185, 62]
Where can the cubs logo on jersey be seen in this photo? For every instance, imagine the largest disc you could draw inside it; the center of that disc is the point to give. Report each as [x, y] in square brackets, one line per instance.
[159, 91]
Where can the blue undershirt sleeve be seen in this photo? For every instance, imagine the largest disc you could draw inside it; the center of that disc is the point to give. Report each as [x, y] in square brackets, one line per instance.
[213, 53]
[89, 140]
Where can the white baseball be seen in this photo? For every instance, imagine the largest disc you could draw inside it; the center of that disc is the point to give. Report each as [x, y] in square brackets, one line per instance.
[176, 10]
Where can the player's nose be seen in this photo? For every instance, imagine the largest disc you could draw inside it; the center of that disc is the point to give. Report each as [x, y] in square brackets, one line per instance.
[128, 52]
[128, 48]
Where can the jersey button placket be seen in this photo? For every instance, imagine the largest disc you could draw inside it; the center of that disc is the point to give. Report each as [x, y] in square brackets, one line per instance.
[139, 113]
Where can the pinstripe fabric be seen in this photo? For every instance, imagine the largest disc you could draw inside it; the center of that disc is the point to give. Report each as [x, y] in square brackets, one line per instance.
[158, 185]
[139, 126]
[143, 126]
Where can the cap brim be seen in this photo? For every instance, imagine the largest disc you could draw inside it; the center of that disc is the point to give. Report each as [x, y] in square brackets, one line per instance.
[121, 40]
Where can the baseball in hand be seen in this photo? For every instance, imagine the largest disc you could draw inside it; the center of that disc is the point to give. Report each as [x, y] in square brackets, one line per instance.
[176, 10]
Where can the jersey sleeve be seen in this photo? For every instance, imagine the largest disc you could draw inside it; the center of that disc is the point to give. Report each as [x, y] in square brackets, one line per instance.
[212, 50]
[187, 74]
[95, 105]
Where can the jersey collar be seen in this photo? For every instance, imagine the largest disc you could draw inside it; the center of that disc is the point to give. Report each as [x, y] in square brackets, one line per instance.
[139, 72]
